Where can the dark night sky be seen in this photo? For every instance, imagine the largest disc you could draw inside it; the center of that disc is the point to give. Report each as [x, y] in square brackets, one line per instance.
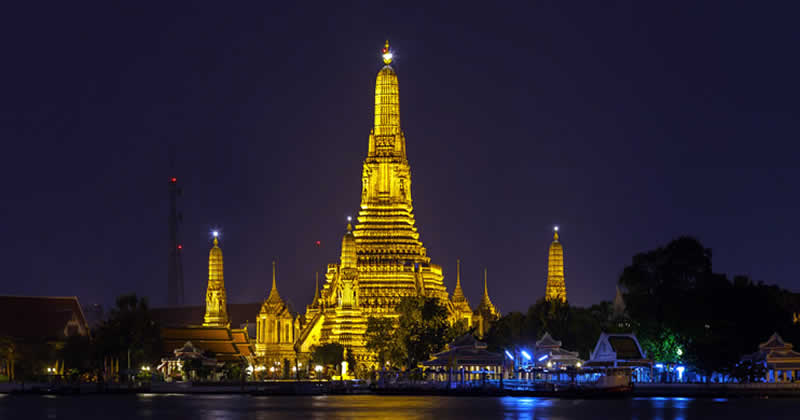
[626, 124]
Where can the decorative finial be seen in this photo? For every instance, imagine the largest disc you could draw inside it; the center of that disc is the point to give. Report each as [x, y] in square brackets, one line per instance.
[458, 273]
[485, 287]
[216, 236]
[349, 226]
[274, 285]
[555, 233]
[387, 54]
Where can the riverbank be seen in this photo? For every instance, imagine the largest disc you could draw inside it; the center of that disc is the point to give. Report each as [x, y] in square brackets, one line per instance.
[299, 388]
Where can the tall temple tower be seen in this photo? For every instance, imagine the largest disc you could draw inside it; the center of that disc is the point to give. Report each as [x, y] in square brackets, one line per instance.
[392, 262]
[556, 288]
[216, 301]
[382, 259]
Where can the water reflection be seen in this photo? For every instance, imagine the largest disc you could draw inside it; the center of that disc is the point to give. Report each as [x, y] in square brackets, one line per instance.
[236, 407]
[522, 408]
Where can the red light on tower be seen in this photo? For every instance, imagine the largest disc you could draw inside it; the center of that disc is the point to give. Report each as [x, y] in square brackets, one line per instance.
[173, 180]
[180, 246]
[318, 243]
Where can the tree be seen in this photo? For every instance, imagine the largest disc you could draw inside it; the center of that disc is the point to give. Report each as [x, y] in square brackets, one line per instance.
[672, 291]
[76, 354]
[129, 328]
[422, 328]
[328, 355]
[380, 338]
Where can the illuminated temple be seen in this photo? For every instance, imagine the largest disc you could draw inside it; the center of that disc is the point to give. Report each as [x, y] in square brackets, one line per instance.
[556, 289]
[382, 258]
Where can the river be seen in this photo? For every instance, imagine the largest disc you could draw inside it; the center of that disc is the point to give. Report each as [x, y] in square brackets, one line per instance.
[230, 407]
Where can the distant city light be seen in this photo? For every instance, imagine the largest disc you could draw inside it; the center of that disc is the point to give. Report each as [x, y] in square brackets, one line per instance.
[577, 365]
[680, 370]
[180, 246]
[510, 356]
[544, 357]
[679, 352]
[525, 353]
[659, 366]
[317, 243]
[173, 180]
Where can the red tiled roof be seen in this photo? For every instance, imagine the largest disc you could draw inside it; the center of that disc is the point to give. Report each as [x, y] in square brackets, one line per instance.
[38, 317]
[181, 316]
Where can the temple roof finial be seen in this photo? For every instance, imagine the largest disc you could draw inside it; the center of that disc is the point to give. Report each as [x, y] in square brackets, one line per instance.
[386, 53]
[485, 286]
[555, 233]
[458, 273]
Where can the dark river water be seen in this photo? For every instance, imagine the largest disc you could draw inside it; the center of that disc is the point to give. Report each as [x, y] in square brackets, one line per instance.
[197, 407]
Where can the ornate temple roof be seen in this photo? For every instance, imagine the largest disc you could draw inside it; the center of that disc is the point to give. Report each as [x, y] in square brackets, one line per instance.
[239, 314]
[274, 303]
[465, 350]
[486, 306]
[547, 342]
[776, 353]
[459, 299]
[41, 317]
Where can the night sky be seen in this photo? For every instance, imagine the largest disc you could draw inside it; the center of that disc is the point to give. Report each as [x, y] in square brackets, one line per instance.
[626, 124]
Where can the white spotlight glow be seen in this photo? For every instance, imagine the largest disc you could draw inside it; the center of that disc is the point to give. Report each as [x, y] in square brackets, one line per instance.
[215, 233]
[555, 228]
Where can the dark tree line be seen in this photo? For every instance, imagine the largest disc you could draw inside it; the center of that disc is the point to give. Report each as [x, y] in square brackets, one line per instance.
[679, 308]
[715, 319]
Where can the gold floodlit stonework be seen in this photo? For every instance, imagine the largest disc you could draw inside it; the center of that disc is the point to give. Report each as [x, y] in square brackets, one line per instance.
[382, 258]
[276, 327]
[556, 288]
[216, 302]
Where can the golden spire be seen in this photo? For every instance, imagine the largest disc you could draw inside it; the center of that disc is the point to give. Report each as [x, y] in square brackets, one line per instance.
[458, 293]
[216, 301]
[387, 100]
[349, 256]
[273, 294]
[485, 282]
[556, 288]
[486, 305]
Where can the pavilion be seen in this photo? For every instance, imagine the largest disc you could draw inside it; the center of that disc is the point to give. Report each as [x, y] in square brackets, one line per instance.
[468, 358]
[782, 363]
[620, 351]
[550, 360]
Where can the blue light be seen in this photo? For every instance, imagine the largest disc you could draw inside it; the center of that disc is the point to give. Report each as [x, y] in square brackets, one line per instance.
[525, 353]
[509, 355]
[680, 370]
[659, 366]
[543, 357]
